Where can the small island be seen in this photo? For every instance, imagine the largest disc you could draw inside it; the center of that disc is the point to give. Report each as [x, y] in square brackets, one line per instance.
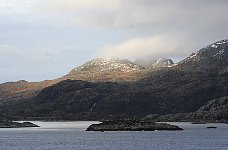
[11, 124]
[132, 125]
[199, 122]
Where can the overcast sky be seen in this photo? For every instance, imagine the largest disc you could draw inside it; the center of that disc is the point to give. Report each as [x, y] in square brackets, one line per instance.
[45, 39]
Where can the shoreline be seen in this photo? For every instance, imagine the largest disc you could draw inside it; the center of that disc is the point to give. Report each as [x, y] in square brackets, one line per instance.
[15, 124]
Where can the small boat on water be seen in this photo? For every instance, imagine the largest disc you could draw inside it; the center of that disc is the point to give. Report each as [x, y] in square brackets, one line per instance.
[211, 127]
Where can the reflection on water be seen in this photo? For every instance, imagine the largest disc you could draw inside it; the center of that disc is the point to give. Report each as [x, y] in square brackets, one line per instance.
[71, 135]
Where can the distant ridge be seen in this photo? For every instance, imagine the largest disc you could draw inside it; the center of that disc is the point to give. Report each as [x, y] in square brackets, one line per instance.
[108, 64]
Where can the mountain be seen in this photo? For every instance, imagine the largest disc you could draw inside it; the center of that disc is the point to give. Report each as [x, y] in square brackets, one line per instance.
[108, 69]
[96, 70]
[108, 64]
[214, 56]
[154, 63]
[93, 91]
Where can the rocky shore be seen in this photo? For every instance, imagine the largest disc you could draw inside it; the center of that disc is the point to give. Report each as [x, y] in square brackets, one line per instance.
[11, 124]
[132, 125]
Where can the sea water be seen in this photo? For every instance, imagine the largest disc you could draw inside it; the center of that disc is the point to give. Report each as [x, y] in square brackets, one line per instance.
[72, 136]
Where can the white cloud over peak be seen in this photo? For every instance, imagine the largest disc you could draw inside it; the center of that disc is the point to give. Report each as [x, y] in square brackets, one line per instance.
[157, 46]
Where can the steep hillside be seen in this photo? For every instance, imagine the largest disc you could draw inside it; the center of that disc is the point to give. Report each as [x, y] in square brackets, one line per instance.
[211, 58]
[13, 91]
[215, 110]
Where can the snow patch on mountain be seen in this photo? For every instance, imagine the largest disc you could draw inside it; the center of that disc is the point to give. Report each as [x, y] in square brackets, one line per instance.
[217, 50]
[109, 64]
[155, 63]
[217, 44]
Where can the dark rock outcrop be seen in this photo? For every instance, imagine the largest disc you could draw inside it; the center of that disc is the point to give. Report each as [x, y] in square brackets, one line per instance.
[131, 125]
[10, 124]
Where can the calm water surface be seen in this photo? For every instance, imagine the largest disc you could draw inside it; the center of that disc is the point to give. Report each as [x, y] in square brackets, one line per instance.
[72, 136]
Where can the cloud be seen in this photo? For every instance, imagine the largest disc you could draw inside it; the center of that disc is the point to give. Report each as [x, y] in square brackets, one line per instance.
[185, 25]
[158, 46]
[16, 6]
[9, 53]
[14, 56]
[75, 5]
[138, 13]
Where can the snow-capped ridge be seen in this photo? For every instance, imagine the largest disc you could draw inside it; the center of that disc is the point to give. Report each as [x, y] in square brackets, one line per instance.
[215, 51]
[108, 64]
[217, 44]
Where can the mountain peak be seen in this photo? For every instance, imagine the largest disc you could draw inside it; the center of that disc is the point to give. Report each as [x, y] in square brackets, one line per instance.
[219, 43]
[216, 53]
[108, 64]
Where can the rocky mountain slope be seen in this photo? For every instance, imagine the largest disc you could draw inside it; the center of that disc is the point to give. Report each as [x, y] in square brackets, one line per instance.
[108, 64]
[215, 110]
[13, 91]
[121, 88]
[214, 56]
[107, 69]
[155, 63]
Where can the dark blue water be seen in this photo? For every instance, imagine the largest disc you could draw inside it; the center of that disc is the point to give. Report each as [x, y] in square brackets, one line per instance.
[71, 135]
